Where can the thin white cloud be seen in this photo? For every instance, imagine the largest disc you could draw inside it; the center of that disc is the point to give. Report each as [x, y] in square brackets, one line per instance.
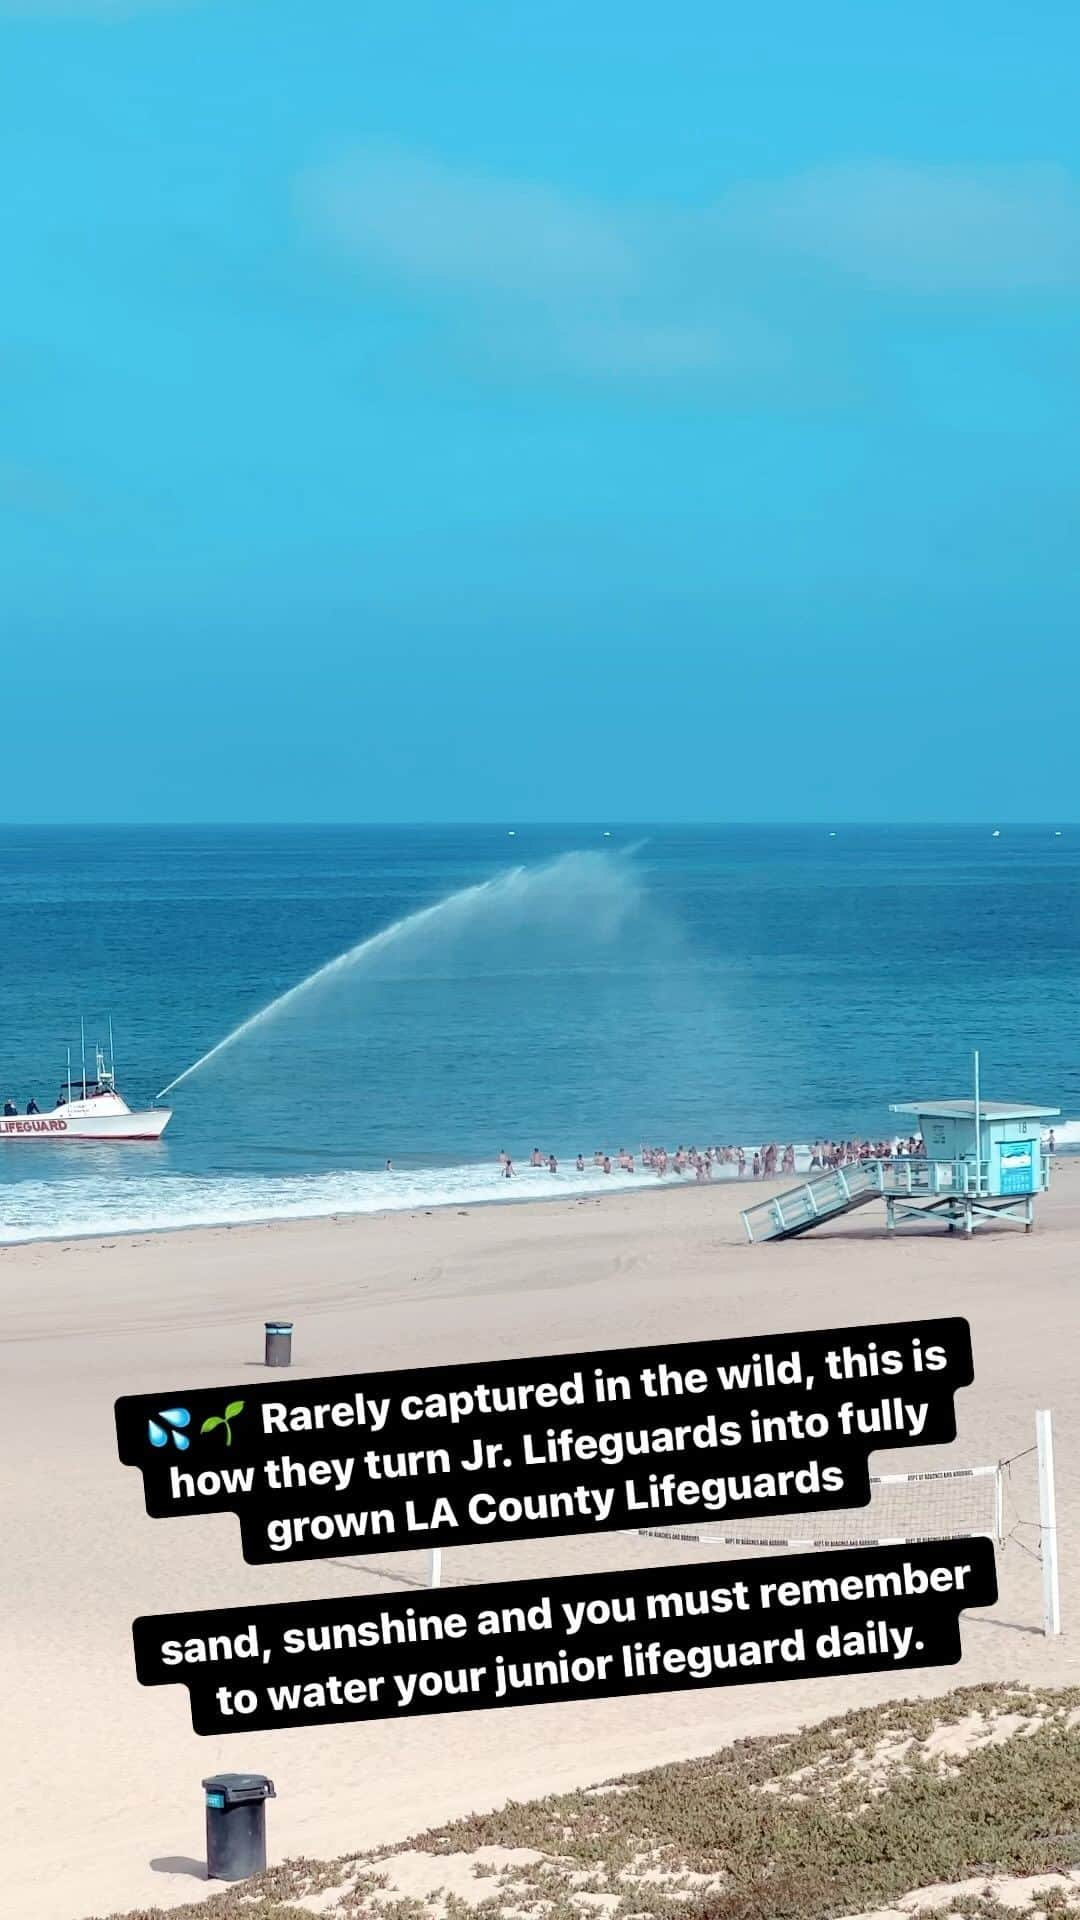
[538, 275]
[27, 487]
[424, 222]
[105, 11]
[925, 230]
[668, 291]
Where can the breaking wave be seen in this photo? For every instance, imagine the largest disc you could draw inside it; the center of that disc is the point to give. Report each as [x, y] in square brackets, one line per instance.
[97, 1206]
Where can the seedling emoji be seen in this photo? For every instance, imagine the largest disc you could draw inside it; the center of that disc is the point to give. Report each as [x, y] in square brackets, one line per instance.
[223, 1420]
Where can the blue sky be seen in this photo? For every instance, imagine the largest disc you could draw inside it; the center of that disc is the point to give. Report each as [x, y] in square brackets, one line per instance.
[493, 411]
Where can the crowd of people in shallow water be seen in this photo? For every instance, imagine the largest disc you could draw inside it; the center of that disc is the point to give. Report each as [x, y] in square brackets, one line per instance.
[844, 1153]
[754, 1163]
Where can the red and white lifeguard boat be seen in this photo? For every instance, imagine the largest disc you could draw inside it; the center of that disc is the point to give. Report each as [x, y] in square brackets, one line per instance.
[88, 1107]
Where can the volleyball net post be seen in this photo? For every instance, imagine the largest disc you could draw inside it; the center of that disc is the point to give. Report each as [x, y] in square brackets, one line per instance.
[1048, 1541]
[938, 1503]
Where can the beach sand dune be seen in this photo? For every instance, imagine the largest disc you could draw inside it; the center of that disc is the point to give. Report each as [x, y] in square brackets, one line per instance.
[101, 1778]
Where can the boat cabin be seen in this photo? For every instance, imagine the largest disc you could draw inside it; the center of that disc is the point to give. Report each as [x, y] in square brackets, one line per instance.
[93, 1090]
[88, 1086]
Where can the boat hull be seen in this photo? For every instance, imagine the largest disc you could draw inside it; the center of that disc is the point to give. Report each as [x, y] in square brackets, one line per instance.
[88, 1126]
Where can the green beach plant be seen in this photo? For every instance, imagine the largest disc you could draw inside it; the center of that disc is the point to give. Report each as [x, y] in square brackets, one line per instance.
[846, 1817]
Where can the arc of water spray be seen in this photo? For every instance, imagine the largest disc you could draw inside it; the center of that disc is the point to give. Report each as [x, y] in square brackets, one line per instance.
[343, 960]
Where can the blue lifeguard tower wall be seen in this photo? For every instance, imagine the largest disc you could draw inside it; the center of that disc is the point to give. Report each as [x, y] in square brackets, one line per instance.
[980, 1161]
[1009, 1149]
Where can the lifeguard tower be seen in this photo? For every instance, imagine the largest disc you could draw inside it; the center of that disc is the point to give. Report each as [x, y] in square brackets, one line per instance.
[979, 1161]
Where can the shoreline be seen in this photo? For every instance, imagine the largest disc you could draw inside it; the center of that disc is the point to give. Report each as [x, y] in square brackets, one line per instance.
[617, 1185]
[288, 1227]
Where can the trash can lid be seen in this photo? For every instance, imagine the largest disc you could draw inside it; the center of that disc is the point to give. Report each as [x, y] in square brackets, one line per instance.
[236, 1788]
[279, 1326]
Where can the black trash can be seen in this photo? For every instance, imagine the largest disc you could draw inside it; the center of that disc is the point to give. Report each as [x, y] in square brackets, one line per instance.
[279, 1343]
[236, 1824]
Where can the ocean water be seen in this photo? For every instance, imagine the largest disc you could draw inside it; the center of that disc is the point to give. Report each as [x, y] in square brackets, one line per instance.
[563, 987]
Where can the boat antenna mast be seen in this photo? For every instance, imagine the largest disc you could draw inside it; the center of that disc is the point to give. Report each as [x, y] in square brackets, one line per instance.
[106, 1073]
[82, 1040]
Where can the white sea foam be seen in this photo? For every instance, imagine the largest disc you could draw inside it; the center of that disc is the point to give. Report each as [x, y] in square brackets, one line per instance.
[100, 1206]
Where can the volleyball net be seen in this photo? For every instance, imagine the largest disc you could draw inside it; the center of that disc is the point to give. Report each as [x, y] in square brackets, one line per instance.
[943, 1503]
[1004, 1502]
[958, 1503]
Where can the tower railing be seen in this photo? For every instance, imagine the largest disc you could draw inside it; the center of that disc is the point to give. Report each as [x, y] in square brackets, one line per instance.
[836, 1190]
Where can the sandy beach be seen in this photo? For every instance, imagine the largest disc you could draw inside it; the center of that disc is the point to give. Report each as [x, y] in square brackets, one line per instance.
[101, 1777]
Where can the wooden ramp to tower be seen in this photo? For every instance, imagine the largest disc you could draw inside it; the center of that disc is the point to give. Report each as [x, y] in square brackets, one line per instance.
[979, 1161]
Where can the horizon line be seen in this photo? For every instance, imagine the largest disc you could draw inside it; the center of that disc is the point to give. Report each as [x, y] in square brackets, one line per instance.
[829, 822]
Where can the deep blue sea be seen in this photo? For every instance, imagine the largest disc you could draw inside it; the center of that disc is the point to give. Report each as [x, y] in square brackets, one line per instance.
[563, 987]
